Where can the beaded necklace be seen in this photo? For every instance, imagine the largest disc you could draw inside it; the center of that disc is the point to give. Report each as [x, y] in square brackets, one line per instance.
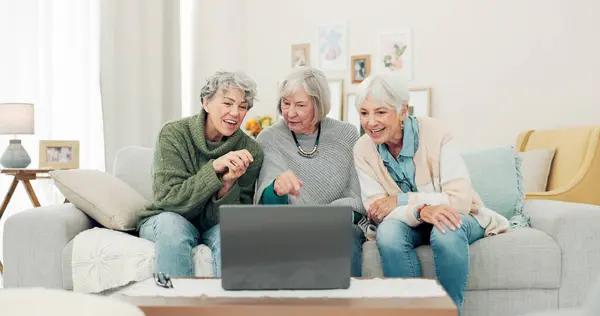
[304, 153]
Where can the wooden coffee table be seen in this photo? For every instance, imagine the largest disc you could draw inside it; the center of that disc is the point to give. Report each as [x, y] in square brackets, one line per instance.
[230, 306]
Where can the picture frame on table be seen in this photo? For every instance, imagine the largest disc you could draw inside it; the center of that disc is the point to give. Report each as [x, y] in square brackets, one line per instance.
[59, 154]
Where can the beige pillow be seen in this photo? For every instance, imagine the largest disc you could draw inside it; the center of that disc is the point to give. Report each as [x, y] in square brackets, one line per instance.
[535, 166]
[102, 196]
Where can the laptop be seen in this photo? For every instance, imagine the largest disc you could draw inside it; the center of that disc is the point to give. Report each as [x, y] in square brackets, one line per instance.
[285, 247]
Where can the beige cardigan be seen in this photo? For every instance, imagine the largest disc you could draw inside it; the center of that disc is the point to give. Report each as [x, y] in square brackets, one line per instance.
[441, 178]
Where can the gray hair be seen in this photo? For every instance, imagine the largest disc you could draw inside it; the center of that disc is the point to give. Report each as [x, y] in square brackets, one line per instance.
[314, 83]
[222, 81]
[390, 89]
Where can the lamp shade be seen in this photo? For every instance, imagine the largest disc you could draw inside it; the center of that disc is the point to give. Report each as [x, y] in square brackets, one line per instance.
[16, 118]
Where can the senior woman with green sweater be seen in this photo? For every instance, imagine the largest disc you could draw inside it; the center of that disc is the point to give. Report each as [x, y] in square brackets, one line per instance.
[200, 163]
[308, 156]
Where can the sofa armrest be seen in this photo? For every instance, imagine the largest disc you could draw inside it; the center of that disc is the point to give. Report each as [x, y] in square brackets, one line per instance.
[576, 229]
[33, 244]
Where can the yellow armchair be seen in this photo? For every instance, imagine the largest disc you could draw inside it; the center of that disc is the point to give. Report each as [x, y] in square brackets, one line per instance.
[575, 172]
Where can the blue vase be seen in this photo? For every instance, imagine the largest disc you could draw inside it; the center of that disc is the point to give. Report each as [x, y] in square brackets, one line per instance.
[15, 156]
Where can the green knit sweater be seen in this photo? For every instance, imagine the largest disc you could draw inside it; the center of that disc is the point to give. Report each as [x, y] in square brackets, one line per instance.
[184, 180]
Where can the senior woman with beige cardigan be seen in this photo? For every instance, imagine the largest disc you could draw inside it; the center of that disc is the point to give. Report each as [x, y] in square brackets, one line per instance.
[416, 188]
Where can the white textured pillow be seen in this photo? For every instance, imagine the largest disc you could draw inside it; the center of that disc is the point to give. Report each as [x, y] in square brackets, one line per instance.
[536, 166]
[40, 301]
[102, 196]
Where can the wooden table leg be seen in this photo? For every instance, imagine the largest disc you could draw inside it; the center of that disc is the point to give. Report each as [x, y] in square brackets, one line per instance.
[31, 193]
[8, 196]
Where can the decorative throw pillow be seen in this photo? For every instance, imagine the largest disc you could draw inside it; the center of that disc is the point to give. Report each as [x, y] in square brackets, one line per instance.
[536, 167]
[496, 177]
[102, 196]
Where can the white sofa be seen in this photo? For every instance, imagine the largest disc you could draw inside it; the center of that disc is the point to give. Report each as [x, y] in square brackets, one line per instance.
[546, 267]
[591, 306]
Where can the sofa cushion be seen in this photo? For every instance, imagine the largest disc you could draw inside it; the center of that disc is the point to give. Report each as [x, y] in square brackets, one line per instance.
[104, 259]
[496, 176]
[102, 196]
[522, 258]
[536, 165]
[133, 165]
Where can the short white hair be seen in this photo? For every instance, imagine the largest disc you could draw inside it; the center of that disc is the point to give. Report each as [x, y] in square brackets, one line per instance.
[224, 80]
[314, 83]
[388, 88]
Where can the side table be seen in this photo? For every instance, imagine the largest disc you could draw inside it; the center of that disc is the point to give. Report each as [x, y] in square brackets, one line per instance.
[24, 176]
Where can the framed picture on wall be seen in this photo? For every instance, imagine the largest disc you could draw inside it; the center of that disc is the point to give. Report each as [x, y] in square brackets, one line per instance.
[336, 90]
[300, 55]
[360, 68]
[420, 102]
[352, 116]
[332, 46]
[395, 52]
[59, 154]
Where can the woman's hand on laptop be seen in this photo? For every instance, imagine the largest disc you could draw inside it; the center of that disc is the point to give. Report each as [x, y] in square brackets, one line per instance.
[287, 183]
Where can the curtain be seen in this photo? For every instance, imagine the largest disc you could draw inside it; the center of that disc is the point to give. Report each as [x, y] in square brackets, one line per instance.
[215, 43]
[140, 71]
[50, 57]
[155, 57]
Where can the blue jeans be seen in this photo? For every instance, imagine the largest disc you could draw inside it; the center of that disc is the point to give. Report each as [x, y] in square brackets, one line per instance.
[397, 241]
[358, 238]
[174, 238]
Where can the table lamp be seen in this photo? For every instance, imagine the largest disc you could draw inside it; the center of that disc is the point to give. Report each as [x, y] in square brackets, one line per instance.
[16, 119]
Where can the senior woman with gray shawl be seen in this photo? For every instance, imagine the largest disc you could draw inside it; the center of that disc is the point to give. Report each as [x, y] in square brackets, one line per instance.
[307, 156]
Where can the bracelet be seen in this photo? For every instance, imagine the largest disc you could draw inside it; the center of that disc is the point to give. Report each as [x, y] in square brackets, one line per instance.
[419, 209]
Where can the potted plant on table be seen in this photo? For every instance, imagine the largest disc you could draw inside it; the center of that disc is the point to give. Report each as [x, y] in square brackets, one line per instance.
[255, 125]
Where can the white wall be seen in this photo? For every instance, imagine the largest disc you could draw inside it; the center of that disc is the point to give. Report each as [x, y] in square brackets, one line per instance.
[495, 67]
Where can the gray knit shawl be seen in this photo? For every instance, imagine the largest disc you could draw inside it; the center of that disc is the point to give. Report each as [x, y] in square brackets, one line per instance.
[329, 176]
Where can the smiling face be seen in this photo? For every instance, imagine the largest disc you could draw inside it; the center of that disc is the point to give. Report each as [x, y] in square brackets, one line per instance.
[226, 111]
[298, 111]
[381, 122]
